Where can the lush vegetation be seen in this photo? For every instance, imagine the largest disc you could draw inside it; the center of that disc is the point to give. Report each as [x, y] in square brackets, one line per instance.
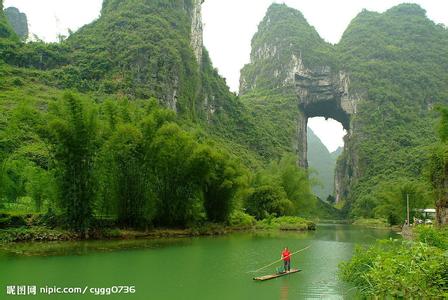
[280, 189]
[129, 164]
[393, 62]
[438, 172]
[394, 66]
[123, 159]
[373, 223]
[110, 150]
[389, 199]
[120, 125]
[286, 223]
[407, 269]
[403, 269]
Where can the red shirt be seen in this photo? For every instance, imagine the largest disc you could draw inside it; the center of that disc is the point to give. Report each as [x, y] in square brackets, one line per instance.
[286, 255]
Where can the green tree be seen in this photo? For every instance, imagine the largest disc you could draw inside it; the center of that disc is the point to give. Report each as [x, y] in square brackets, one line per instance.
[73, 135]
[268, 200]
[220, 184]
[389, 200]
[40, 186]
[176, 184]
[442, 126]
[129, 176]
[292, 180]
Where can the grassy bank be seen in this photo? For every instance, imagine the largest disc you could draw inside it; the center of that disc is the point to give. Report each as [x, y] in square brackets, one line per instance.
[29, 227]
[371, 223]
[35, 234]
[286, 223]
[45, 234]
[402, 268]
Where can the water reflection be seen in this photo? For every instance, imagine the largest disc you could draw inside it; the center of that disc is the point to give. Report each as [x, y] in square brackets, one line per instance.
[87, 247]
[349, 233]
[284, 290]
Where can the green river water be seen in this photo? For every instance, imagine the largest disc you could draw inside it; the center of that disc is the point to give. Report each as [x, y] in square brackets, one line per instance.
[188, 268]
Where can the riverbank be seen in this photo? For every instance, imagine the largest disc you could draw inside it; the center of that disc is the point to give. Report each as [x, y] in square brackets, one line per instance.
[29, 228]
[376, 224]
[402, 268]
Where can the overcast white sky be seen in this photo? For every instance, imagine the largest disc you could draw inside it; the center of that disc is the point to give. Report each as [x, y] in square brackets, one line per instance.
[229, 27]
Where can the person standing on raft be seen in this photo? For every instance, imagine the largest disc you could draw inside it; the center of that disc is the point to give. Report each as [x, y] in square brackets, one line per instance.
[286, 256]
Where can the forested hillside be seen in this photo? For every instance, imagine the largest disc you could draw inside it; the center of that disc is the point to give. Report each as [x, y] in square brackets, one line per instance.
[131, 107]
[402, 72]
[397, 72]
[126, 123]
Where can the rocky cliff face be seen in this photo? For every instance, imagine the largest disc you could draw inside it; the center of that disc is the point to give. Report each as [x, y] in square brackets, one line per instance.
[284, 45]
[322, 92]
[143, 49]
[290, 58]
[151, 49]
[18, 21]
[6, 31]
[376, 82]
[196, 30]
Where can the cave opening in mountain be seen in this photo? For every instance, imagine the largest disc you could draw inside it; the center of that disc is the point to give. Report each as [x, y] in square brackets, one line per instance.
[325, 139]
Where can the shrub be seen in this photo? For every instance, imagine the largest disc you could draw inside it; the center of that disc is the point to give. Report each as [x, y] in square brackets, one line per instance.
[399, 269]
[239, 219]
[267, 200]
[22, 234]
[13, 220]
[432, 236]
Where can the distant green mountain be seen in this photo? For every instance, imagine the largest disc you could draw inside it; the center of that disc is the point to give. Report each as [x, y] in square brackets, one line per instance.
[324, 163]
[18, 21]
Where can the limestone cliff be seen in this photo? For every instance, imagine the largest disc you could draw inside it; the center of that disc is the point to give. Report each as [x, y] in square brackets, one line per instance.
[284, 45]
[380, 82]
[290, 60]
[6, 30]
[196, 30]
[18, 21]
[149, 49]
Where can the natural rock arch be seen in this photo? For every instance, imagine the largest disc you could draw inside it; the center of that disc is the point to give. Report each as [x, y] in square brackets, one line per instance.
[322, 93]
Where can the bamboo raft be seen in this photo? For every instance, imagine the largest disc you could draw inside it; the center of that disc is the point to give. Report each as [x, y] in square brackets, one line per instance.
[272, 276]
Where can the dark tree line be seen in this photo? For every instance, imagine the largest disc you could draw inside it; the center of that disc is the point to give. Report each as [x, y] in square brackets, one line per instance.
[134, 164]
